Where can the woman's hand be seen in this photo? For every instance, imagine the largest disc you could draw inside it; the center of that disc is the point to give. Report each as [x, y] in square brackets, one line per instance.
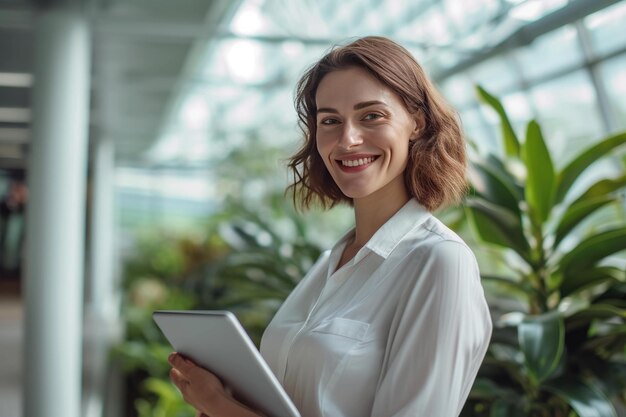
[203, 390]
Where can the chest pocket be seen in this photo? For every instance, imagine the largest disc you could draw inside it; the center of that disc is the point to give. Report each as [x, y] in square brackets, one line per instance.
[337, 337]
[347, 328]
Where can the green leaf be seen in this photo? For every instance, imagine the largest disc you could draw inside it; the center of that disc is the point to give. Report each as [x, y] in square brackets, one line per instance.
[506, 408]
[572, 171]
[577, 212]
[604, 311]
[615, 291]
[610, 375]
[540, 177]
[505, 335]
[507, 286]
[165, 390]
[494, 187]
[485, 389]
[610, 344]
[593, 249]
[497, 225]
[602, 188]
[579, 280]
[500, 167]
[585, 399]
[504, 370]
[511, 143]
[541, 339]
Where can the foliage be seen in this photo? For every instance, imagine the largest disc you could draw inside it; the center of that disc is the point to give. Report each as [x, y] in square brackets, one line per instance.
[249, 261]
[168, 401]
[271, 251]
[558, 347]
[154, 279]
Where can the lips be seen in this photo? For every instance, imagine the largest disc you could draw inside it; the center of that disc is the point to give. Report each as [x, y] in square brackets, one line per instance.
[356, 162]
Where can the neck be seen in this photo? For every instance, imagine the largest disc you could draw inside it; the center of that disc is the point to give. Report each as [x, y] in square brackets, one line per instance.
[371, 212]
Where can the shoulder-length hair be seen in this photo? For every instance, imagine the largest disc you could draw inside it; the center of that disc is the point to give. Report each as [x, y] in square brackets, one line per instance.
[436, 170]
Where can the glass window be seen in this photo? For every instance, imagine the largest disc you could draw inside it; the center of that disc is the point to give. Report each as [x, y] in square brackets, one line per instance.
[518, 109]
[340, 16]
[459, 91]
[436, 60]
[466, 15]
[607, 28]
[244, 114]
[530, 11]
[479, 132]
[431, 27]
[495, 75]
[550, 53]
[568, 113]
[250, 19]
[614, 75]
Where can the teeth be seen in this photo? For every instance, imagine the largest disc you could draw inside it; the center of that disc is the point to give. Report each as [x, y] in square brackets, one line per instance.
[357, 162]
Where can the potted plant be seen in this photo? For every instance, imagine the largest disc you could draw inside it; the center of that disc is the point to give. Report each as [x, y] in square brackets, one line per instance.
[558, 346]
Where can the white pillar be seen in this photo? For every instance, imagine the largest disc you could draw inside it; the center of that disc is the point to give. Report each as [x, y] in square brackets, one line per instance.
[102, 326]
[104, 291]
[56, 216]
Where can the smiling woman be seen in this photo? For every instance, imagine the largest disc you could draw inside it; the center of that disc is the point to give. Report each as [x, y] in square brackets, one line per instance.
[367, 132]
[392, 321]
[435, 173]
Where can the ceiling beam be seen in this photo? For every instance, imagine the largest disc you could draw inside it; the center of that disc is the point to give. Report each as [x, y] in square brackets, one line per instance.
[166, 30]
[573, 11]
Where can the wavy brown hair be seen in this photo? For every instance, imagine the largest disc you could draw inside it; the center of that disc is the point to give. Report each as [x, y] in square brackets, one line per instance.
[436, 170]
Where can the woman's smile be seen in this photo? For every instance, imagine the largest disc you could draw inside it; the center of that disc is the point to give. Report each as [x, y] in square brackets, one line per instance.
[356, 163]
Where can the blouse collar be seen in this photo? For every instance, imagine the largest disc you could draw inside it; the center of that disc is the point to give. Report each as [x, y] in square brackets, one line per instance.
[391, 233]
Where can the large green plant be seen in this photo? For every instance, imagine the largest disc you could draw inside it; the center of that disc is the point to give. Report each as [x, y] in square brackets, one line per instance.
[154, 278]
[270, 251]
[248, 262]
[558, 347]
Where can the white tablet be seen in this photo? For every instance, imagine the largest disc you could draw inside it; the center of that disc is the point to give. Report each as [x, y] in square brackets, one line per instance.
[216, 341]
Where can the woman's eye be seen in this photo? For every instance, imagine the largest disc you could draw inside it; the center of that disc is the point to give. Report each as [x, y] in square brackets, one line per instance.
[372, 116]
[329, 121]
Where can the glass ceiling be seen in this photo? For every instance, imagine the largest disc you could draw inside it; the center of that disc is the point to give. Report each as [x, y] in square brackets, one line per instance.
[244, 87]
[562, 62]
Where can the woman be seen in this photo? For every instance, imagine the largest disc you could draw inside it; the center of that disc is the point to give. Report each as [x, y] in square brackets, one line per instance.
[392, 321]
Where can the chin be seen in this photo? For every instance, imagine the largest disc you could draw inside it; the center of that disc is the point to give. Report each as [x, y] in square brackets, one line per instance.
[355, 195]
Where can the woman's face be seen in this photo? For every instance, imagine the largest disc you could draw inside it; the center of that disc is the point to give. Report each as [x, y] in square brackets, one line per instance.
[363, 133]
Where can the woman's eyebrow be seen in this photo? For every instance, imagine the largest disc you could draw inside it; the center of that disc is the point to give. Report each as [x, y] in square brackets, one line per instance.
[364, 104]
[326, 110]
[357, 106]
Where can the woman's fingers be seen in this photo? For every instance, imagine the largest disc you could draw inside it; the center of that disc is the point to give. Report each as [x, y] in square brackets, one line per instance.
[184, 365]
[203, 390]
[199, 387]
[192, 372]
[178, 379]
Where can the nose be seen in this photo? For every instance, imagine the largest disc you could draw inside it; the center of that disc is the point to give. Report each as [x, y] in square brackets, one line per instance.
[350, 136]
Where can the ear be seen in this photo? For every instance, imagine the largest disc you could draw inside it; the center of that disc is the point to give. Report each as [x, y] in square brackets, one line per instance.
[418, 125]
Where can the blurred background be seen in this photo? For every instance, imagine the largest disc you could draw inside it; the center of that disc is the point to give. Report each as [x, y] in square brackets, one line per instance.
[142, 166]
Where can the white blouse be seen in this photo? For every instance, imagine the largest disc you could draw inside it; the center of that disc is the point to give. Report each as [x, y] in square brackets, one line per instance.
[400, 330]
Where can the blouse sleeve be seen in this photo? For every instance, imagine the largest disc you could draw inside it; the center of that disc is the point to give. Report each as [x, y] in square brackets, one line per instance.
[438, 340]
